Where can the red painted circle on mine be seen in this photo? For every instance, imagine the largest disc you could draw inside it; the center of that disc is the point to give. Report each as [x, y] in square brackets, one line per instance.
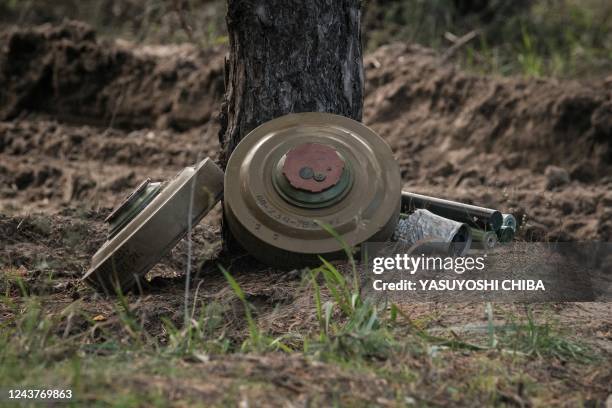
[322, 159]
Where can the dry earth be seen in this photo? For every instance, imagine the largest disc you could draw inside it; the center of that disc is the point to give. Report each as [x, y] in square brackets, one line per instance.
[84, 121]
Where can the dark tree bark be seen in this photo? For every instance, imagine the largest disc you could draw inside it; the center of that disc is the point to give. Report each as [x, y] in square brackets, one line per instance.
[290, 56]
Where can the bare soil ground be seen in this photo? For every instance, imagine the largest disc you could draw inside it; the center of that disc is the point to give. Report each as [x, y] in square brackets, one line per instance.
[83, 122]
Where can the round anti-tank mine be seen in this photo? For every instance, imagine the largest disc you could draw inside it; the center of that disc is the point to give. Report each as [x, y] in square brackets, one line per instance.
[294, 179]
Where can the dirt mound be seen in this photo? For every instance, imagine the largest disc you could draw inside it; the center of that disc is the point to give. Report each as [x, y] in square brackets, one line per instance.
[48, 165]
[64, 71]
[441, 116]
[541, 149]
[426, 108]
[538, 148]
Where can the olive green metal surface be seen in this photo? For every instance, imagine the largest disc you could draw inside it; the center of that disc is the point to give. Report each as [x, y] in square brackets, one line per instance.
[281, 227]
[155, 228]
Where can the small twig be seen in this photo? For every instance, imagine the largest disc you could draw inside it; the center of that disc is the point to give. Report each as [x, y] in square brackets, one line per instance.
[22, 220]
[458, 43]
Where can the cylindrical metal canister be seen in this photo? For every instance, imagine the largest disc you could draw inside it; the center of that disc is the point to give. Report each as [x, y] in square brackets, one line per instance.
[505, 234]
[509, 221]
[479, 217]
[423, 226]
[483, 239]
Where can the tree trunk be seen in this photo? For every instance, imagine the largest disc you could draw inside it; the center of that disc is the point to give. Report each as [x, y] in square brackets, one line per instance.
[289, 56]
